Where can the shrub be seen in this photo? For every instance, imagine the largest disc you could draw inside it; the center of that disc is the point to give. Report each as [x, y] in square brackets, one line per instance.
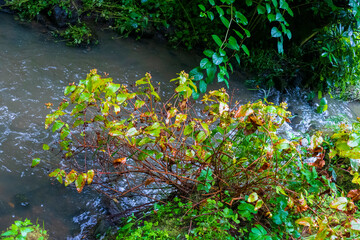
[228, 162]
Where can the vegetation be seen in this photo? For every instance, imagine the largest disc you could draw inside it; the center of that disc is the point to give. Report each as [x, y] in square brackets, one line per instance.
[80, 35]
[313, 43]
[24, 230]
[227, 172]
[231, 173]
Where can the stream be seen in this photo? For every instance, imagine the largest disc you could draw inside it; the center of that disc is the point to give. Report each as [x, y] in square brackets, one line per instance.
[35, 70]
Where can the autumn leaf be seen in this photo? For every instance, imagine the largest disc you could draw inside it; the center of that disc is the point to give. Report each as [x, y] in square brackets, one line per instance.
[119, 161]
[354, 194]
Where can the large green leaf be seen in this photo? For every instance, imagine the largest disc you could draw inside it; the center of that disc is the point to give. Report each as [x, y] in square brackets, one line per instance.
[217, 59]
[217, 40]
[275, 32]
[197, 74]
[202, 86]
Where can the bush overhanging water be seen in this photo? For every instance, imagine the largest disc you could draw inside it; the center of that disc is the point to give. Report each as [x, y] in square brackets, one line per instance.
[233, 175]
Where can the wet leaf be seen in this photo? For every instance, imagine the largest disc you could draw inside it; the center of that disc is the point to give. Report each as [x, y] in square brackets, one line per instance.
[90, 176]
[355, 224]
[217, 59]
[201, 136]
[258, 204]
[64, 132]
[339, 203]
[354, 194]
[120, 161]
[131, 132]
[54, 173]
[70, 177]
[275, 32]
[35, 162]
[217, 40]
[305, 221]
[121, 97]
[253, 197]
[139, 104]
[112, 88]
[80, 182]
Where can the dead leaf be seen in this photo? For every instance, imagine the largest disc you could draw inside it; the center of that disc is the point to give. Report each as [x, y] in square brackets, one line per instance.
[149, 181]
[264, 167]
[354, 194]
[119, 161]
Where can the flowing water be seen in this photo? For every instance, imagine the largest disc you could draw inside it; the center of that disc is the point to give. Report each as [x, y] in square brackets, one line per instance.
[34, 70]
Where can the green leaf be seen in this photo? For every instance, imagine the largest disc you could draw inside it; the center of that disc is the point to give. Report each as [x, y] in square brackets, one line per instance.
[241, 17]
[239, 34]
[64, 132]
[275, 3]
[197, 74]
[201, 136]
[339, 203]
[257, 233]
[268, 8]
[54, 173]
[131, 132]
[25, 230]
[201, 7]
[208, 53]
[80, 182]
[355, 224]
[90, 176]
[146, 140]
[220, 11]
[70, 178]
[35, 162]
[189, 128]
[246, 50]
[284, 4]
[121, 97]
[210, 74]
[225, 21]
[275, 32]
[233, 44]
[69, 89]
[205, 63]
[271, 17]
[212, 2]
[10, 233]
[253, 197]
[139, 104]
[57, 125]
[46, 147]
[261, 9]
[202, 86]
[217, 40]
[248, 3]
[258, 204]
[217, 59]
[355, 164]
[112, 88]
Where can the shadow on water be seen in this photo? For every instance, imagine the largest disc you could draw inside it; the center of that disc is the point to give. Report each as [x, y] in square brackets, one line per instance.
[34, 70]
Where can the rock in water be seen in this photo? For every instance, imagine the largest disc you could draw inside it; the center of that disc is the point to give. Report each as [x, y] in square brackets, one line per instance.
[21, 201]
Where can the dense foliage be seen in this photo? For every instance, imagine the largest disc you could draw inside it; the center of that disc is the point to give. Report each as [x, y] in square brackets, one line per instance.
[24, 230]
[313, 43]
[232, 173]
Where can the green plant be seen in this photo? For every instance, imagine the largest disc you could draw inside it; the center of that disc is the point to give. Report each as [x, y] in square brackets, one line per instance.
[78, 35]
[28, 10]
[24, 230]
